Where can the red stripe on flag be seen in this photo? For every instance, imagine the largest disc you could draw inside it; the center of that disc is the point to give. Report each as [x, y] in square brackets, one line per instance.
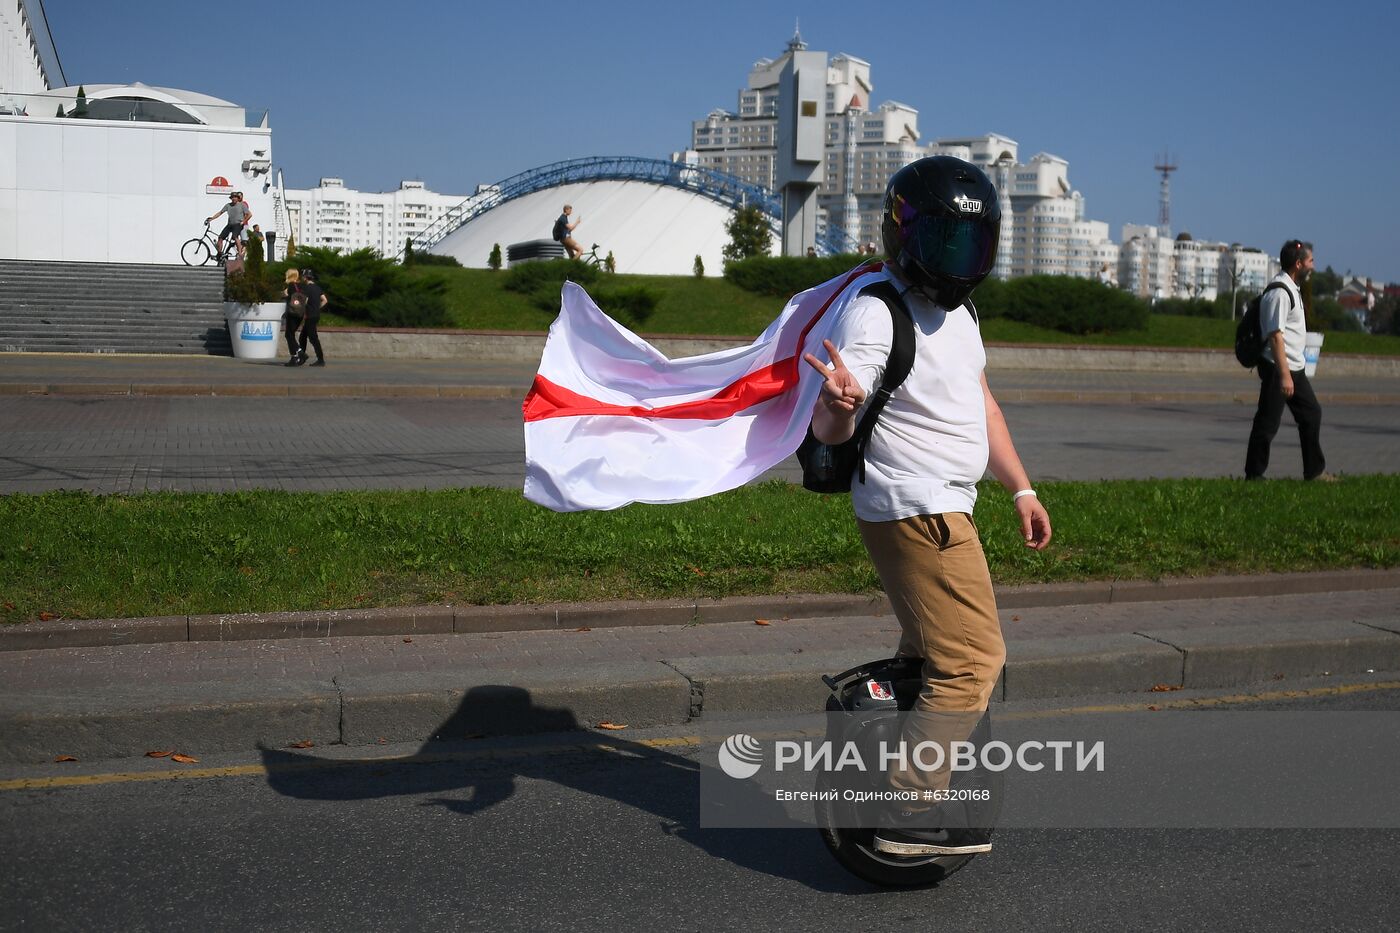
[547, 400]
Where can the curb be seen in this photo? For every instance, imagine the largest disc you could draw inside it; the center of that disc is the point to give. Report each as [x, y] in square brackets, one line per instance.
[376, 390]
[411, 620]
[370, 709]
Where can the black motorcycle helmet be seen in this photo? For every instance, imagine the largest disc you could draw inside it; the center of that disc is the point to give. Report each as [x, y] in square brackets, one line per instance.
[941, 226]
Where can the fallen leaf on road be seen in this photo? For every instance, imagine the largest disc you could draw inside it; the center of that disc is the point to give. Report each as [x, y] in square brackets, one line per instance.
[408, 641]
[160, 754]
[761, 622]
[304, 743]
[583, 628]
[1015, 618]
[1154, 708]
[1165, 688]
[612, 726]
[65, 758]
[184, 759]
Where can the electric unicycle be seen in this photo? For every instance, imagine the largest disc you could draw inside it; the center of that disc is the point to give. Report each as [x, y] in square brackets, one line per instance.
[863, 709]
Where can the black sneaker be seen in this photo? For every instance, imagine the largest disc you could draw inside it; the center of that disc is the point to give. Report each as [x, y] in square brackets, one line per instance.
[291, 362]
[906, 837]
[300, 358]
[319, 362]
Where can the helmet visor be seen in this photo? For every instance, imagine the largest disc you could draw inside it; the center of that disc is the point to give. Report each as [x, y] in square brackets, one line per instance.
[953, 247]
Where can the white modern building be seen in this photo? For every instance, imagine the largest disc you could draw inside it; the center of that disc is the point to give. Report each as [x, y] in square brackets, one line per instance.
[124, 173]
[1153, 265]
[28, 61]
[332, 215]
[1044, 230]
[865, 144]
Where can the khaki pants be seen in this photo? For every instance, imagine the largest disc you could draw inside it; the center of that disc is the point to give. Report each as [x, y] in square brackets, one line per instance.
[935, 574]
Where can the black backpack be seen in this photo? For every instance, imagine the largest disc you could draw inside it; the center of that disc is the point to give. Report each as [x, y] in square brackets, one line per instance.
[829, 467]
[1249, 337]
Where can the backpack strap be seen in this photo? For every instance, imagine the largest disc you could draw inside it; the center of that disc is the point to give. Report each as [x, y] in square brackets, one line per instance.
[897, 366]
[1273, 285]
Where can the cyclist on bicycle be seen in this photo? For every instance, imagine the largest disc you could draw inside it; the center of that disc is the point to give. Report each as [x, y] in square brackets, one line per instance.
[563, 232]
[238, 216]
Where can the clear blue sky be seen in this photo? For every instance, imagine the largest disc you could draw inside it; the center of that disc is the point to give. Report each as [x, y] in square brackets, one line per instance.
[1282, 115]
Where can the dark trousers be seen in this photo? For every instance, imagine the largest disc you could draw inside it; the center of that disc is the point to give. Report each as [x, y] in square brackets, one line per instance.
[292, 322]
[308, 332]
[1306, 412]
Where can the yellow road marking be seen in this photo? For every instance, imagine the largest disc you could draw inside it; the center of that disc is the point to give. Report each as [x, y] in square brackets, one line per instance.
[612, 746]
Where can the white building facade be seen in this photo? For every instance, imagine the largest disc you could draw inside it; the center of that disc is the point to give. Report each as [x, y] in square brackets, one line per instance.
[1153, 265]
[127, 174]
[28, 61]
[332, 215]
[1044, 230]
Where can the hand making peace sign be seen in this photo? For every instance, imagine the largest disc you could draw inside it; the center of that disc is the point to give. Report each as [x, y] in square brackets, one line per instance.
[841, 393]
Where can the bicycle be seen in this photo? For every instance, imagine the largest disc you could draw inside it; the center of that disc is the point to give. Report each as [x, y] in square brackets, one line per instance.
[198, 251]
[591, 258]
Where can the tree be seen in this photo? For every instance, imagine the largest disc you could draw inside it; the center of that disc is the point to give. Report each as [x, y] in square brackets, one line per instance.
[408, 251]
[1385, 316]
[494, 260]
[699, 267]
[291, 246]
[748, 234]
[1327, 282]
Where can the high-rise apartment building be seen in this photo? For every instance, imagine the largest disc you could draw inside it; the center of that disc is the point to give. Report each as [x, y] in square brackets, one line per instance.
[332, 215]
[1153, 265]
[1044, 230]
[865, 144]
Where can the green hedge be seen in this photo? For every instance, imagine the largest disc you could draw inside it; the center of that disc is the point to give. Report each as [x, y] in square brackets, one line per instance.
[363, 286]
[785, 276]
[1063, 303]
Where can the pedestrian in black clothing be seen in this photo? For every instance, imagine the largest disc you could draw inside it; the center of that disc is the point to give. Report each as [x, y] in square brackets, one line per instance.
[292, 316]
[315, 301]
[1283, 383]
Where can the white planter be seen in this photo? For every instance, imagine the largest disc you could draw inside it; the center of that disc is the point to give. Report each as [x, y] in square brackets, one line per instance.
[1312, 349]
[255, 330]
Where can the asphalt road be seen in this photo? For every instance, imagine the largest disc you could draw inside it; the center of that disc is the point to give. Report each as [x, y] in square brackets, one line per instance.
[139, 444]
[540, 833]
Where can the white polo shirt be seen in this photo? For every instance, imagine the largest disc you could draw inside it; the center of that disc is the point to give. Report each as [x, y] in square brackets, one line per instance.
[1275, 314]
[929, 447]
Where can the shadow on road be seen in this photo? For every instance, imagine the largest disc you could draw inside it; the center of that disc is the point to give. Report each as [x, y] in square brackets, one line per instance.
[650, 779]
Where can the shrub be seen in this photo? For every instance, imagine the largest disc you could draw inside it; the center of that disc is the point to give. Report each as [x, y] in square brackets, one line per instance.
[1329, 315]
[494, 260]
[1074, 306]
[531, 277]
[433, 259]
[421, 305]
[1193, 307]
[699, 267]
[256, 283]
[785, 276]
[632, 305]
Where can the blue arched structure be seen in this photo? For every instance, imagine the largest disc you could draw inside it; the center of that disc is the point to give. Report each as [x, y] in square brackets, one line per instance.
[726, 189]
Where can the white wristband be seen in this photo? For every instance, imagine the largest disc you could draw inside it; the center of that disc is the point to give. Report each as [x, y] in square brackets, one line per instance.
[1024, 492]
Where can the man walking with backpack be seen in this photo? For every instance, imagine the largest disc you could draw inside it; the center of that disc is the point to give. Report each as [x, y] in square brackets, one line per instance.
[1282, 380]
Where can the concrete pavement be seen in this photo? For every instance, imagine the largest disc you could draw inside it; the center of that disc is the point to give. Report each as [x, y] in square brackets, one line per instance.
[149, 375]
[641, 665]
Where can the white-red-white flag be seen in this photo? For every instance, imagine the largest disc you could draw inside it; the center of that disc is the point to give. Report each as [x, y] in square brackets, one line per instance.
[610, 420]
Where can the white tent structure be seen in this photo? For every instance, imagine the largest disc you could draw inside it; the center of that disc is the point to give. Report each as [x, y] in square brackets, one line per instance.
[650, 229]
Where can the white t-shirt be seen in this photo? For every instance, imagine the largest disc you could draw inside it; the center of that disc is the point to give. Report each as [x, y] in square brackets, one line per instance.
[929, 447]
[1275, 314]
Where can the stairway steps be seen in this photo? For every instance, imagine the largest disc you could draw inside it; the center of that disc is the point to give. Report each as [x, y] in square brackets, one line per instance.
[111, 307]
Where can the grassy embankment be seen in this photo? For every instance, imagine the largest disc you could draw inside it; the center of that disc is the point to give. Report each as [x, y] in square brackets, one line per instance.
[715, 307]
[74, 555]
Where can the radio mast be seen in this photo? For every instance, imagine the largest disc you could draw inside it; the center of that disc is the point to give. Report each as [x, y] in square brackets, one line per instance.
[1166, 166]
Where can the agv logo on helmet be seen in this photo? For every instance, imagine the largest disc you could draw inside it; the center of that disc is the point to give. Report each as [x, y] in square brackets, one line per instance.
[968, 205]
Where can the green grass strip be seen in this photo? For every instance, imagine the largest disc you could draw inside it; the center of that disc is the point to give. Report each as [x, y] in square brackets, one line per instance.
[714, 307]
[76, 555]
